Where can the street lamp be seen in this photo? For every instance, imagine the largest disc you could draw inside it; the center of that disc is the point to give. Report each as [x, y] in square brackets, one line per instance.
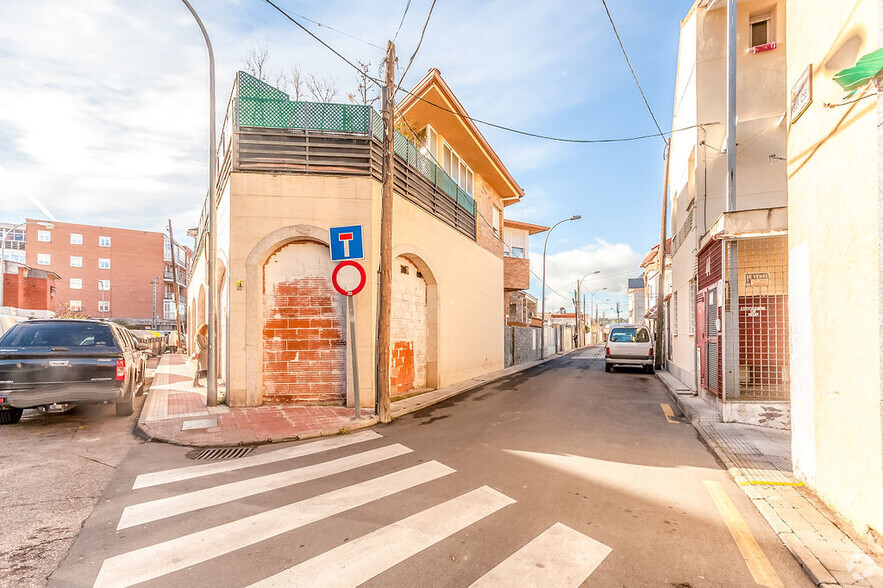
[3, 253]
[543, 313]
[211, 379]
[579, 329]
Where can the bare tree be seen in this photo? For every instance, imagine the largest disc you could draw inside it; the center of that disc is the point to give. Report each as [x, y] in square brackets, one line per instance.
[255, 62]
[296, 82]
[321, 89]
[366, 92]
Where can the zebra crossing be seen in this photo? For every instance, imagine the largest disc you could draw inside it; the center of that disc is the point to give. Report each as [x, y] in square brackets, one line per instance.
[587, 353]
[560, 556]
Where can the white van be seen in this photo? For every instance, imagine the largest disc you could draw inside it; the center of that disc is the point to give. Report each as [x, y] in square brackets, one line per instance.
[629, 345]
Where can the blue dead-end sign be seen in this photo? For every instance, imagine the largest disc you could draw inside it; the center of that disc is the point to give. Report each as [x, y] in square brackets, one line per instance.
[346, 243]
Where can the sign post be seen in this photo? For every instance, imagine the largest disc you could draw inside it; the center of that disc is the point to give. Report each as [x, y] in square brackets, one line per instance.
[348, 279]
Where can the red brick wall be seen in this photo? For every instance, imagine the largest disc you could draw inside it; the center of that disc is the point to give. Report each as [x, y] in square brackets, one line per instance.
[304, 358]
[516, 273]
[136, 257]
[28, 293]
[401, 372]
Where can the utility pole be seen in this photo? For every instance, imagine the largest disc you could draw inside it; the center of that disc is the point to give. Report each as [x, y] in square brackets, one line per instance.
[660, 293]
[617, 312]
[579, 330]
[175, 282]
[731, 300]
[384, 336]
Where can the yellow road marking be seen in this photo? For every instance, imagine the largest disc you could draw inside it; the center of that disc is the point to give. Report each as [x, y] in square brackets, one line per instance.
[768, 483]
[669, 414]
[758, 564]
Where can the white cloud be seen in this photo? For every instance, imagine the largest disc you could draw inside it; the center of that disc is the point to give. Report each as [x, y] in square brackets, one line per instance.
[615, 262]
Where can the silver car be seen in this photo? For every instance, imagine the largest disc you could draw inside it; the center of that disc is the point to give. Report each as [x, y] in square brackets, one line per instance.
[629, 345]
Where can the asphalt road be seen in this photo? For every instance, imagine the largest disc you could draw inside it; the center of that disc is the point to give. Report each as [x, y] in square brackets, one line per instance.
[53, 469]
[562, 475]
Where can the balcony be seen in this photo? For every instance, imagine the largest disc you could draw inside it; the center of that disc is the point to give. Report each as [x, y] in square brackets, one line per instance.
[516, 273]
[264, 131]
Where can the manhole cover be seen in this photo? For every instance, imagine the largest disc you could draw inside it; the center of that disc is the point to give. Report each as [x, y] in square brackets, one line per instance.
[220, 453]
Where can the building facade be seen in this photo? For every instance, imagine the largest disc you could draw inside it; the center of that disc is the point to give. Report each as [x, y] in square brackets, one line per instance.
[733, 352]
[835, 240]
[290, 171]
[104, 272]
[637, 303]
[520, 306]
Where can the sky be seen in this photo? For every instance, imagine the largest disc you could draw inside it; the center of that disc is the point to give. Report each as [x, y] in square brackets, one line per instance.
[104, 107]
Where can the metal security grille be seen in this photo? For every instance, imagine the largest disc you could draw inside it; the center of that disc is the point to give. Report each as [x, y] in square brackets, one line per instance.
[711, 356]
[763, 319]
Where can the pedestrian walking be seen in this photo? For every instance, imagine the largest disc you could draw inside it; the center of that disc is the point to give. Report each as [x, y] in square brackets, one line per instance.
[201, 354]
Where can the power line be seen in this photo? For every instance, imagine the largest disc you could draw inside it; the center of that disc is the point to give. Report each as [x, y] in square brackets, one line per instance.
[330, 28]
[634, 75]
[396, 36]
[478, 120]
[419, 43]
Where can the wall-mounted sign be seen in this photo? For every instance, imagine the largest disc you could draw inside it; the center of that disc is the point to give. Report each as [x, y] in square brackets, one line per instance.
[801, 94]
[757, 280]
[240, 284]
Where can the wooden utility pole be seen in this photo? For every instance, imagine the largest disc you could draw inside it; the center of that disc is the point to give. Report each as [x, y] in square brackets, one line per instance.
[384, 323]
[660, 291]
[175, 282]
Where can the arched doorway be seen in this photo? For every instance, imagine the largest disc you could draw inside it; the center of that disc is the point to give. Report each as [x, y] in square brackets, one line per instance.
[413, 328]
[304, 348]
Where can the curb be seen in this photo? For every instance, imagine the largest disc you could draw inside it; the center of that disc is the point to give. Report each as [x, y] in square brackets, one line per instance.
[143, 430]
[809, 562]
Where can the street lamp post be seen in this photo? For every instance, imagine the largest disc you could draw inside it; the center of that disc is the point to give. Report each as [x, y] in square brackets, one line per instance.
[543, 303]
[3, 253]
[592, 302]
[211, 242]
[579, 329]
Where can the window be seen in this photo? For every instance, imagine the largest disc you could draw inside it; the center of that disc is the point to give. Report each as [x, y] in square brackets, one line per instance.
[674, 322]
[104, 284]
[76, 284]
[44, 259]
[58, 334]
[16, 256]
[104, 306]
[104, 241]
[103, 263]
[692, 310]
[761, 29]
[76, 239]
[496, 221]
[75, 305]
[518, 252]
[457, 169]
[45, 236]
[76, 261]
[432, 142]
[629, 335]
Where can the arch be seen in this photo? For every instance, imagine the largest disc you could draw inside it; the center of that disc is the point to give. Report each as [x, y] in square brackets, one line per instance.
[254, 292]
[426, 366]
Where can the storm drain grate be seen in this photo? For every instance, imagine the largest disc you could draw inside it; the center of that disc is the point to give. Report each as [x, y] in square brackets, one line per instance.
[223, 453]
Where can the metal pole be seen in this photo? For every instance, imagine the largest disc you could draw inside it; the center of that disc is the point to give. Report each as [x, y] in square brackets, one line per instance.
[579, 330]
[731, 302]
[352, 321]
[660, 294]
[175, 286]
[543, 303]
[211, 242]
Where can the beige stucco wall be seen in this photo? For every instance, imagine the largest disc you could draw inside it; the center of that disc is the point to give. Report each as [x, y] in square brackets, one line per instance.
[269, 210]
[834, 227]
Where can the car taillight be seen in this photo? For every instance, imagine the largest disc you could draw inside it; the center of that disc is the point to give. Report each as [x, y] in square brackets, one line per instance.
[121, 369]
[651, 353]
[607, 351]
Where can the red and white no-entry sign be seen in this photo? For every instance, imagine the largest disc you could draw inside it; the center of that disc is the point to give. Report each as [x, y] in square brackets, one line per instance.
[348, 278]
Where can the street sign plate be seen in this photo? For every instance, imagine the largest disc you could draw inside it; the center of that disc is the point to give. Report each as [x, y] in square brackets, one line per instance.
[346, 243]
[348, 278]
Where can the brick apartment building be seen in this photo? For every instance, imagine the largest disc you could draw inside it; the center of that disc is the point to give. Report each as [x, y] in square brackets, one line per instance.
[107, 272]
[28, 292]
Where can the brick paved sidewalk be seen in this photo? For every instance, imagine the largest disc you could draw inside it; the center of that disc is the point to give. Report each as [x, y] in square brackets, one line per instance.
[176, 412]
[759, 460]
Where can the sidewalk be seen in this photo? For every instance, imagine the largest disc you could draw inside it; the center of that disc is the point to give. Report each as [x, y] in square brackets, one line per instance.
[759, 460]
[176, 412]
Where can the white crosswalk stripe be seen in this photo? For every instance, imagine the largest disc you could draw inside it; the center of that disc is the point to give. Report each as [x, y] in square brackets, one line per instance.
[188, 473]
[155, 510]
[167, 557]
[361, 559]
[559, 557]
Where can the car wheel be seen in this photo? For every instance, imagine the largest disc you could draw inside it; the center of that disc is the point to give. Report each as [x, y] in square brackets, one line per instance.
[126, 406]
[608, 367]
[10, 416]
[648, 369]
